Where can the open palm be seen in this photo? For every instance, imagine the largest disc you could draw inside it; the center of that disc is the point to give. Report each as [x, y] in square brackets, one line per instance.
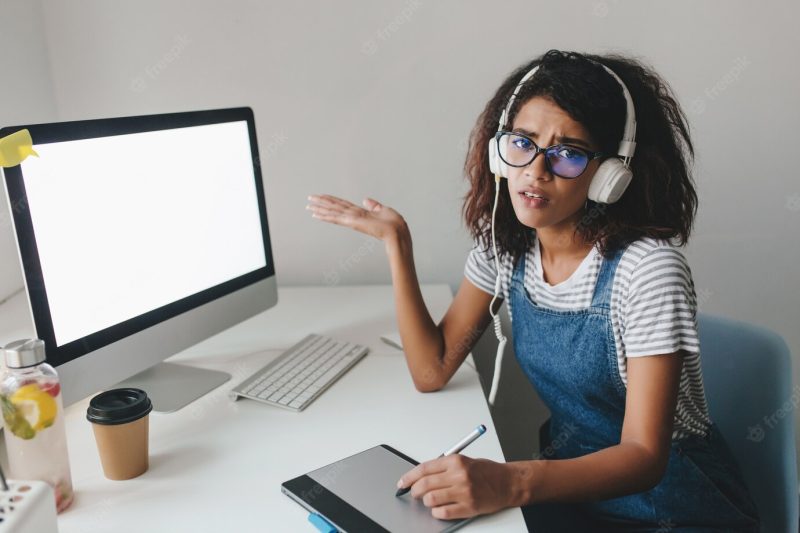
[375, 219]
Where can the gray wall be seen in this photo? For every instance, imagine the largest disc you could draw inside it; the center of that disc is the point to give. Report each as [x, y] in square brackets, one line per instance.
[368, 98]
[26, 96]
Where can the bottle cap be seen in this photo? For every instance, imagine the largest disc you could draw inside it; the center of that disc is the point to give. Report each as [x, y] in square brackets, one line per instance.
[24, 353]
[118, 406]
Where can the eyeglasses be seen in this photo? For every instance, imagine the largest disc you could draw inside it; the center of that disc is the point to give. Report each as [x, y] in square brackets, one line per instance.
[563, 160]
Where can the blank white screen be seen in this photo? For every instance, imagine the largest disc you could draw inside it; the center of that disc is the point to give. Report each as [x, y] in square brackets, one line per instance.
[129, 223]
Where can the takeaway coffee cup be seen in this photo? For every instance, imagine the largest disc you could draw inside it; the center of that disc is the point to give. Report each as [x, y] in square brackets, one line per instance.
[120, 421]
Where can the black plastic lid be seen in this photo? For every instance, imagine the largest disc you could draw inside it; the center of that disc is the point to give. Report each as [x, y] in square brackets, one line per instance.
[118, 406]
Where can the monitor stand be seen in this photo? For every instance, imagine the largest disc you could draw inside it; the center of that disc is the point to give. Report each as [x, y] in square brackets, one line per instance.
[171, 386]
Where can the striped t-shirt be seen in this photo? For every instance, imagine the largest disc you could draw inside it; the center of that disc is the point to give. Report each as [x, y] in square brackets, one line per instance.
[653, 309]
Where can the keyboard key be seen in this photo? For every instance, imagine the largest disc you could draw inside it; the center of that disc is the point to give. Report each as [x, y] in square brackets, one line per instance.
[330, 374]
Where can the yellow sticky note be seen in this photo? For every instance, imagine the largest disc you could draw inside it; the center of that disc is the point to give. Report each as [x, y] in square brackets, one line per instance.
[15, 148]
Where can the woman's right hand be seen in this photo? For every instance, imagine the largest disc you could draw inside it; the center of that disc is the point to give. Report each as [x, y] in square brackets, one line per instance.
[375, 219]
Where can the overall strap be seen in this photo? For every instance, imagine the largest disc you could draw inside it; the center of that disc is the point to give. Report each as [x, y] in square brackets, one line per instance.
[518, 275]
[605, 280]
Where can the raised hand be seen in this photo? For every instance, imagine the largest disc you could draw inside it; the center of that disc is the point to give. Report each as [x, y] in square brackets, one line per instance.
[375, 219]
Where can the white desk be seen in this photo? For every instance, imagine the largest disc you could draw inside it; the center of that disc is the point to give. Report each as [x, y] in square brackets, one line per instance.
[217, 465]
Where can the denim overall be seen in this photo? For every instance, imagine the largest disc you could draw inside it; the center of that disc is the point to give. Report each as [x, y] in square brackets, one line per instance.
[570, 357]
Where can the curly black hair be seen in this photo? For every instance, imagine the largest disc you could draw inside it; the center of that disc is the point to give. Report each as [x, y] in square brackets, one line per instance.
[660, 202]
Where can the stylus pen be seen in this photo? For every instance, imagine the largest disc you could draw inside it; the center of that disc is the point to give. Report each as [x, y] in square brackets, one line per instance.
[457, 448]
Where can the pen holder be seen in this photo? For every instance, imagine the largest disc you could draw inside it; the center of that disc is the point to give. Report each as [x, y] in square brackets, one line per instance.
[28, 507]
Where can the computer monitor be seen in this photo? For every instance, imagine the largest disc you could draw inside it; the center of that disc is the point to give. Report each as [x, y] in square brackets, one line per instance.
[140, 237]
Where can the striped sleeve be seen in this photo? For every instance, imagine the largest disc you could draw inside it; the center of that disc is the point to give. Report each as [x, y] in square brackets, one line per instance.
[661, 310]
[480, 270]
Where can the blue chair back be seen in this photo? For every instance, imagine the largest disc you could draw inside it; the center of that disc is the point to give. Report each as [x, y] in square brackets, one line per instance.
[747, 372]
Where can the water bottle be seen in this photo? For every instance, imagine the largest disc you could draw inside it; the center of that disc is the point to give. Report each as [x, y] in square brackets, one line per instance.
[33, 415]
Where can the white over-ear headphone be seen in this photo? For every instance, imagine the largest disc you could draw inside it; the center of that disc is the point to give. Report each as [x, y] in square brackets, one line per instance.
[608, 183]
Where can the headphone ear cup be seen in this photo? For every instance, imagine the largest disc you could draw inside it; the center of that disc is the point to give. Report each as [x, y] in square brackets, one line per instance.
[496, 164]
[493, 156]
[609, 181]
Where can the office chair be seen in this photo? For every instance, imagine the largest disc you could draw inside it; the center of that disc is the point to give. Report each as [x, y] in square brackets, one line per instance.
[747, 372]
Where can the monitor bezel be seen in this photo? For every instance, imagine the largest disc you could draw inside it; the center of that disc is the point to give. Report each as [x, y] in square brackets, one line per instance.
[26, 239]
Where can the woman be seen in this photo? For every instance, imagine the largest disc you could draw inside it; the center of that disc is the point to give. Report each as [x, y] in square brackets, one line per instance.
[602, 303]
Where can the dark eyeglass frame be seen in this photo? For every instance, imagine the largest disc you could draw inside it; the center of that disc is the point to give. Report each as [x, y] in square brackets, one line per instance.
[590, 156]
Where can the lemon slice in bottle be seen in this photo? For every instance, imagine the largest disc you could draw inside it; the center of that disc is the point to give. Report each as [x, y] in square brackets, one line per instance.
[37, 407]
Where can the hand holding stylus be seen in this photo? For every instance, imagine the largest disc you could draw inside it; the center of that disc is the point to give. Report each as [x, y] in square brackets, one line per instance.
[456, 486]
[456, 448]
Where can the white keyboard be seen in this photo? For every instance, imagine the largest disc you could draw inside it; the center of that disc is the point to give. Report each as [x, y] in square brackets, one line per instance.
[301, 373]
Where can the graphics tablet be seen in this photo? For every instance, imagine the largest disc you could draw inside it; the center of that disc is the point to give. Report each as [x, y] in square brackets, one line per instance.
[358, 494]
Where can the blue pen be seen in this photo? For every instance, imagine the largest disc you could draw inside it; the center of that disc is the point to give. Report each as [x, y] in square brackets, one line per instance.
[460, 445]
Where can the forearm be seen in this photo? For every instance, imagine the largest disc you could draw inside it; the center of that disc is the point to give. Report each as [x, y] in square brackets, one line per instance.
[626, 468]
[423, 342]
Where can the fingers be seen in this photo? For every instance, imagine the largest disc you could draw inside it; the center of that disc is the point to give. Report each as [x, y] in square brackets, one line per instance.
[439, 497]
[427, 468]
[326, 200]
[443, 486]
[332, 209]
[371, 204]
[330, 205]
[452, 511]
[432, 482]
[324, 211]
[374, 220]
